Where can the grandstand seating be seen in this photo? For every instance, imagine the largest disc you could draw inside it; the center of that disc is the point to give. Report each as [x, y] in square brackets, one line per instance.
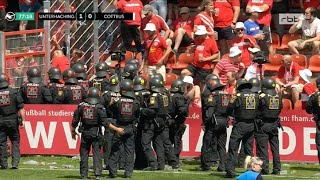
[300, 59]
[275, 40]
[298, 105]
[275, 62]
[287, 38]
[287, 105]
[184, 60]
[314, 64]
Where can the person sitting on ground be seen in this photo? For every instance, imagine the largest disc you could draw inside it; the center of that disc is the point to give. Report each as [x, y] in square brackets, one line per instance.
[253, 168]
[310, 26]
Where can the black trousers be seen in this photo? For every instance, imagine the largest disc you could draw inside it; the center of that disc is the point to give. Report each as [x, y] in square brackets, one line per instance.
[175, 135]
[240, 131]
[213, 141]
[129, 33]
[268, 133]
[13, 133]
[90, 139]
[107, 146]
[140, 160]
[150, 135]
[168, 148]
[128, 143]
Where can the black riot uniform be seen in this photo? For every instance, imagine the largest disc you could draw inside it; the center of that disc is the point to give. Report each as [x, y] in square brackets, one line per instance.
[72, 92]
[244, 108]
[101, 82]
[211, 155]
[139, 87]
[267, 126]
[35, 91]
[216, 122]
[92, 116]
[55, 86]
[313, 107]
[178, 112]
[10, 103]
[156, 128]
[125, 110]
[107, 100]
[81, 75]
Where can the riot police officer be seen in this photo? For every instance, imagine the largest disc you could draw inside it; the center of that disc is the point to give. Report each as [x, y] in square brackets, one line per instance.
[35, 91]
[267, 127]
[107, 100]
[126, 110]
[313, 107]
[55, 86]
[11, 103]
[256, 85]
[178, 112]
[133, 61]
[156, 128]
[244, 108]
[208, 146]
[92, 116]
[72, 92]
[129, 71]
[141, 92]
[81, 75]
[100, 81]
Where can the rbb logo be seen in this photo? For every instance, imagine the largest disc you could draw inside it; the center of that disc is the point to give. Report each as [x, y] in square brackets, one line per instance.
[288, 18]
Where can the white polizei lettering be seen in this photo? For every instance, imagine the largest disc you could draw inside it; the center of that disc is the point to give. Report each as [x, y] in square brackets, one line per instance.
[292, 141]
[308, 141]
[34, 138]
[199, 144]
[72, 144]
[186, 139]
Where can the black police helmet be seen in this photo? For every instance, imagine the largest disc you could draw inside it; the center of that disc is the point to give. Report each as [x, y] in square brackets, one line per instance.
[4, 80]
[54, 73]
[156, 84]
[101, 69]
[214, 84]
[177, 86]
[243, 84]
[126, 88]
[69, 76]
[93, 96]
[114, 83]
[80, 71]
[255, 82]
[132, 61]
[34, 75]
[129, 70]
[157, 75]
[139, 83]
[211, 78]
[268, 85]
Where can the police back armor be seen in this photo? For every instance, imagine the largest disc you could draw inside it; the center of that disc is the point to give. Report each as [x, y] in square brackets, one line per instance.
[270, 106]
[35, 93]
[246, 105]
[10, 102]
[84, 83]
[178, 107]
[100, 83]
[142, 96]
[73, 94]
[126, 110]
[88, 114]
[56, 90]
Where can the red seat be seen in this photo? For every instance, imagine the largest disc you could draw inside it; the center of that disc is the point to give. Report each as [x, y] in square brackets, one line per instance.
[287, 105]
[275, 40]
[184, 60]
[275, 62]
[287, 38]
[171, 61]
[314, 63]
[170, 77]
[298, 105]
[300, 59]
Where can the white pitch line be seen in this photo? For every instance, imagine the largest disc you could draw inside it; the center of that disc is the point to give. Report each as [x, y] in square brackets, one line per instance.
[175, 172]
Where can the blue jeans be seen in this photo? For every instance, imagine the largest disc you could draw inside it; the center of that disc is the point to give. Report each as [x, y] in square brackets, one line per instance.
[161, 7]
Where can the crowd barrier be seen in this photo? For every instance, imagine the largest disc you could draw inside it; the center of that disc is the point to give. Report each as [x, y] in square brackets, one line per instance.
[48, 132]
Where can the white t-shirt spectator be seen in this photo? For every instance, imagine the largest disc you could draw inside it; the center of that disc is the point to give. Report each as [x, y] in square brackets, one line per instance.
[310, 30]
[253, 71]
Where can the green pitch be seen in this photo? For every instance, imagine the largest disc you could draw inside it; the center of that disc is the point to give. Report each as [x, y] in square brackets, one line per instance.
[55, 167]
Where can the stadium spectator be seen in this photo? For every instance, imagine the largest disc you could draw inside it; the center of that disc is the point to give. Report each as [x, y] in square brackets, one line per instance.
[60, 61]
[304, 4]
[288, 78]
[264, 20]
[3, 22]
[308, 87]
[232, 63]
[230, 87]
[206, 18]
[252, 26]
[191, 91]
[183, 30]
[15, 70]
[76, 57]
[155, 46]
[173, 6]
[160, 6]
[158, 21]
[27, 6]
[253, 71]
[225, 19]
[310, 26]
[206, 51]
[130, 28]
[244, 42]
